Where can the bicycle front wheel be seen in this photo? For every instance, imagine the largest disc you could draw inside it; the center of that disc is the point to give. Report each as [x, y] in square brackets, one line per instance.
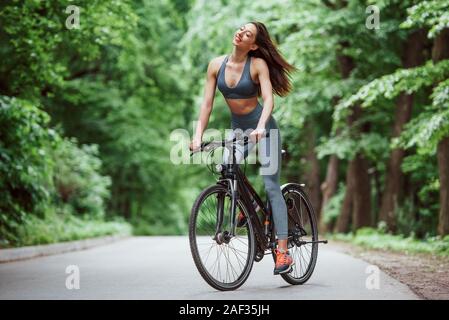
[224, 261]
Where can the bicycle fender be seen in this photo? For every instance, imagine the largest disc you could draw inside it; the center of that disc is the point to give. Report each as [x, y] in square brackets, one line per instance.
[293, 184]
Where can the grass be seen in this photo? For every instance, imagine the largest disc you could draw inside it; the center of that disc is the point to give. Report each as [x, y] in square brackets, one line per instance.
[375, 239]
[66, 227]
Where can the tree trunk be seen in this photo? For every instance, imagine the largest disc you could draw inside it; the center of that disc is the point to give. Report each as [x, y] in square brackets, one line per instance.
[394, 178]
[328, 189]
[443, 167]
[312, 174]
[344, 218]
[361, 181]
[346, 65]
[126, 208]
[361, 193]
[441, 52]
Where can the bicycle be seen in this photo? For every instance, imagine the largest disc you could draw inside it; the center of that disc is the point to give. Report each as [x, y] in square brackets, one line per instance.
[241, 242]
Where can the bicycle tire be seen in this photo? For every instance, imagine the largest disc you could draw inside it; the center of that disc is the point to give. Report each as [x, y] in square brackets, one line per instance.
[211, 190]
[290, 277]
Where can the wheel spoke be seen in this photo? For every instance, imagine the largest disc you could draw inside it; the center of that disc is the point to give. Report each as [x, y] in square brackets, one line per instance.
[237, 255]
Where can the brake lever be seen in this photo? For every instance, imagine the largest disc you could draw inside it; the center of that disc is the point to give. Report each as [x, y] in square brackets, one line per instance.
[202, 147]
[246, 138]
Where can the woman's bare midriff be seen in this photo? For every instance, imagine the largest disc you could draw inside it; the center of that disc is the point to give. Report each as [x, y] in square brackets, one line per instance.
[242, 106]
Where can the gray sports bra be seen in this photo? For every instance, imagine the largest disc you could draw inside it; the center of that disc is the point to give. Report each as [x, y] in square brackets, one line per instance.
[244, 89]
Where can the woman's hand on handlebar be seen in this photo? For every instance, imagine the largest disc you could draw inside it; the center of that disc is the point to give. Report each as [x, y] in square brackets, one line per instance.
[257, 134]
[195, 145]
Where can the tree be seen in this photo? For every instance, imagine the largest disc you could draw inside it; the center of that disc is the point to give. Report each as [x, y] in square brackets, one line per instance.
[428, 131]
[413, 55]
[440, 52]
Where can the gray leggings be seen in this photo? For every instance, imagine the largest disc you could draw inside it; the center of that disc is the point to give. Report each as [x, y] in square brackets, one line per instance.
[270, 162]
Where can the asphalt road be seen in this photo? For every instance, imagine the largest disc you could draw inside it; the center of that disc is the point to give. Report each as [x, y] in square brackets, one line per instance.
[162, 268]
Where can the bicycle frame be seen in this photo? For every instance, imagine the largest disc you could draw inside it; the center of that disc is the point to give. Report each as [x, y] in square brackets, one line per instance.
[242, 189]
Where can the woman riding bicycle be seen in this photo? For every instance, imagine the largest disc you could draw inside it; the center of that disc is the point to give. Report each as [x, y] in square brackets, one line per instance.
[254, 68]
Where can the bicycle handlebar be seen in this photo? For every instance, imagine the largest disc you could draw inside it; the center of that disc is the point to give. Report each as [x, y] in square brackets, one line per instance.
[210, 145]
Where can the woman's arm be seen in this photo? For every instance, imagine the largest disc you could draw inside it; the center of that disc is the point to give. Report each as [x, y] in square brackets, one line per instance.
[207, 104]
[267, 96]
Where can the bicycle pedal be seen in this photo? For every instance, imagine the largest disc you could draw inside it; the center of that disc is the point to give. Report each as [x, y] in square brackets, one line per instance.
[289, 270]
[241, 220]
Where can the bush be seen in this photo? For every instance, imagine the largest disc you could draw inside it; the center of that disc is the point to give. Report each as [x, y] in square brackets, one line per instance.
[59, 227]
[42, 172]
[25, 166]
[77, 179]
[375, 239]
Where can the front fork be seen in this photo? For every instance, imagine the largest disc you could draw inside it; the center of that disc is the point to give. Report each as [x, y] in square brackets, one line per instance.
[220, 235]
[233, 206]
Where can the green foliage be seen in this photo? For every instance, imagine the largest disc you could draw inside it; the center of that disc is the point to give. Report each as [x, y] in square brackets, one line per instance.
[420, 218]
[40, 172]
[115, 83]
[346, 145]
[59, 227]
[332, 208]
[418, 214]
[432, 14]
[431, 125]
[390, 86]
[77, 179]
[375, 239]
[42, 52]
[419, 223]
[25, 165]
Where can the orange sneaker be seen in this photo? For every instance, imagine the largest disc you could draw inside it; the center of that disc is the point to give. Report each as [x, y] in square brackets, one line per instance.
[284, 262]
[241, 219]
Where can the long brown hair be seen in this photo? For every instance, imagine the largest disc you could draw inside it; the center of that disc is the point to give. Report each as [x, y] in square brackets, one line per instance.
[280, 70]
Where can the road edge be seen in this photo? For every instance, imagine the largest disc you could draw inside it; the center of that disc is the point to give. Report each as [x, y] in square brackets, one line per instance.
[29, 252]
[380, 258]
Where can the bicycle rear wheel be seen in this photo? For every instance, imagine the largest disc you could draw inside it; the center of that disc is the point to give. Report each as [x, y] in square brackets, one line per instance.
[223, 261]
[302, 234]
